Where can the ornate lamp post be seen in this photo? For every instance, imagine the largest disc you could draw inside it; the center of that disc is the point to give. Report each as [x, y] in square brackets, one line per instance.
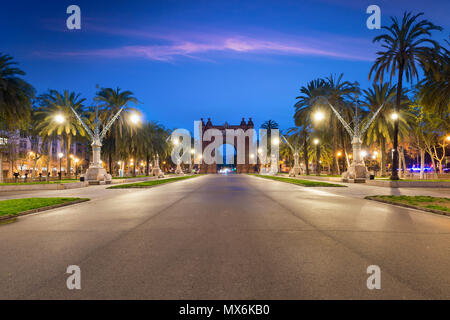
[316, 143]
[357, 170]
[296, 170]
[96, 174]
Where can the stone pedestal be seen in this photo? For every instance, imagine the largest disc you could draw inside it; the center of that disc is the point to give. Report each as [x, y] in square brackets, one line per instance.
[178, 170]
[296, 170]
[95, 175]
[357, 172]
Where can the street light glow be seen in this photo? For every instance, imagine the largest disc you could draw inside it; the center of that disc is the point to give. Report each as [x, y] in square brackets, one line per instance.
[275, 141]
[316, 141]
[339, 154]
[363, 154]
[60, 155]
[134, 118]
[394, 116]
[447, 138]
[318, 116]
[59, 118]
[192, 151]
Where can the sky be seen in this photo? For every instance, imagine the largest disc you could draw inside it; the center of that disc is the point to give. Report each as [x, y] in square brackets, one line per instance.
[191, 59]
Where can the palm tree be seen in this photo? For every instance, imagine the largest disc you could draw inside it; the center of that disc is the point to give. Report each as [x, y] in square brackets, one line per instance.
[15, 100]
[405, 48]
[339, 93]
[15, 94]
[381, 129]
[435, 89]
[110, 102]
[304, 108]
[67, 125]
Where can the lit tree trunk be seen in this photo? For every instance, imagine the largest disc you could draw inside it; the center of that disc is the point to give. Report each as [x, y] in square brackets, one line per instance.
[110, 162]
[394, 175]
[383, 157]
[68, 143]
[135, 162]
[1, 167]
[305, 150]
[422, 163]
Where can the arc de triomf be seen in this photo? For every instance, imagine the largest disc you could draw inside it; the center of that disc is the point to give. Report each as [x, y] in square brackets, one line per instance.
[240, 168]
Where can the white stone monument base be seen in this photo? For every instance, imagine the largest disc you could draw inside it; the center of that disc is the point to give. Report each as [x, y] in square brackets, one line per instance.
[356, 173]
[157, 172]
[95, 175]
[295, 171]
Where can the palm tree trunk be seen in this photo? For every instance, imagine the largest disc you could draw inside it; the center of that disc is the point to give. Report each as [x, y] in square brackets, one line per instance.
[1, 167]
[305, 151]
[110, 162]
[135, 163]
[383, 156]
[394, 174]
[147, 159]
[422, 163]
[68, 143]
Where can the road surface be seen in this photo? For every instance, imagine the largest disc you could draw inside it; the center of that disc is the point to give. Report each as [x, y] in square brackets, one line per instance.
[226, 237]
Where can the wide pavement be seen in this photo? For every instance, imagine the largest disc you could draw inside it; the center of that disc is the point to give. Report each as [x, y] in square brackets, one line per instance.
[225, 237]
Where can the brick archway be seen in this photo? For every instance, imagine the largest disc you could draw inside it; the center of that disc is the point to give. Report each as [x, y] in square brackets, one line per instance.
[240, 168]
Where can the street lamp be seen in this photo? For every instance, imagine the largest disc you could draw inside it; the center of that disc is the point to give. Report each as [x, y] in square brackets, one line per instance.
[394, 116]
[319, 116]
[59, 118]
[60, 156]
[316, 142]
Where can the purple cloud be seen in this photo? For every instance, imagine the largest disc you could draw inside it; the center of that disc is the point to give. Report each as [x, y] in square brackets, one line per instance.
[196, 45]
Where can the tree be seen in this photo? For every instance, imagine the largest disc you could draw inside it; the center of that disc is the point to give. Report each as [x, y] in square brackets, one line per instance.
[435, 89]
[66, 125]
[110, 102]
[339, 93]
[381, 129]
[15, 101]
[405, 48]
[304, 108]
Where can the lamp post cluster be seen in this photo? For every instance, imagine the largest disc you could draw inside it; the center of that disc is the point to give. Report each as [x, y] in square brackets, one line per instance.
[357, 170]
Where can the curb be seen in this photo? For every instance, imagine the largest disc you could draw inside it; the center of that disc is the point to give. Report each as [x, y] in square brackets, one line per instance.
[23, 213]
[408, 206]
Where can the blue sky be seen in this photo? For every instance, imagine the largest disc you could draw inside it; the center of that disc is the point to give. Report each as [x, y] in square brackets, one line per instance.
[190, 59]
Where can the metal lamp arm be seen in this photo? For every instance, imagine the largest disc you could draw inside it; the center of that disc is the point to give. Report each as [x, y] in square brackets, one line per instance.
[86, 128]
[344, 123]
[110, 123]
[290, 146]
[371, 120]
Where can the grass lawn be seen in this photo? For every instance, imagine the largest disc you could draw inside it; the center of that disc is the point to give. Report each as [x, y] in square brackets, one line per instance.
[420, 202]
[15, 206]
[38, 182]
[151, 183]
[305, 183]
